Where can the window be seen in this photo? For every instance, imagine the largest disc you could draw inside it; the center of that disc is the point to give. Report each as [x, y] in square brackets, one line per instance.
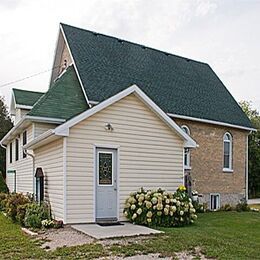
[227, 151]
[16, 149]
[214, 201]
[24, 142]
[11, 153]
[105, 167]
[186, 150]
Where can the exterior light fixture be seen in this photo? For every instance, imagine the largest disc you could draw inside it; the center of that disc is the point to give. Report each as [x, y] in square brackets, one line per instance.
[109, 127]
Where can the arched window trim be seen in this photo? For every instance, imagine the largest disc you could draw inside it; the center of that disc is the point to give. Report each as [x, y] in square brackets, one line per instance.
[186, 153]
[229, 140]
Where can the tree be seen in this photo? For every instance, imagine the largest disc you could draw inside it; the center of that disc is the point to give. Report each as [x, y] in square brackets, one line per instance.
[253, 150]
[5, 125]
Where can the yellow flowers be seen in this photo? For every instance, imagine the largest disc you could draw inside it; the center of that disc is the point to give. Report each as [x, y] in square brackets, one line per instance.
[181, 188]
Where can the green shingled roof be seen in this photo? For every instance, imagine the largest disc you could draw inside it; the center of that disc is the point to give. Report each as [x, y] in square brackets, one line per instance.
[26, 97]
[64, 99]
[107, 65]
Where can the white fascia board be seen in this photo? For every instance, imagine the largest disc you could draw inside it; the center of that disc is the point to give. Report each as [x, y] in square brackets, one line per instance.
[12, 104]
[45, 119]
[211, 122]
[56, 54]
[23, 106]
[39, 138]
[92, 102]
[75, 66]
[64, 128]
[18, 127]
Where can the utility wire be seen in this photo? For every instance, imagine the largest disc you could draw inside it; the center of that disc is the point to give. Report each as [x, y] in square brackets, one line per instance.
[28, 77]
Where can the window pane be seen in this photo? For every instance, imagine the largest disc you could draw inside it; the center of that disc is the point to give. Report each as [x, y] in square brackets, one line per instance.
[24, 142]
[226, 148]
[11, 152]
[185, 159]
[226, 161]
[105, 168]
[16, 149]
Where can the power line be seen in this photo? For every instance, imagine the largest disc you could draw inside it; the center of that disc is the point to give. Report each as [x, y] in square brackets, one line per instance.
[28, 77]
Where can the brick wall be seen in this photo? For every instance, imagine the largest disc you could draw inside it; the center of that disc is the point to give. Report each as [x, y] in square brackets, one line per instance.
[207, 162]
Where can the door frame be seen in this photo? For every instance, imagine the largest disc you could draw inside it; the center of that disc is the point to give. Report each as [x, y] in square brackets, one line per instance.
[95, 148]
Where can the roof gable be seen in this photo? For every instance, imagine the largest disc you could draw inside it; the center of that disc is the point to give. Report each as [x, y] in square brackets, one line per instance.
[26, 97]
[106, 65]
[64, 128]
[63, 100]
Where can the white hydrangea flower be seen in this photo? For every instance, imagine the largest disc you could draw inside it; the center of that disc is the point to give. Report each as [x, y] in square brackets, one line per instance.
[181, 213]
[133, 207]
[149, 214]
[139, 211]
[134, 216]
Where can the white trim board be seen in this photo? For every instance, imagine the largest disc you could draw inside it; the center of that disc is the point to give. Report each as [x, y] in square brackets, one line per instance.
[210, 122]
[75, 66]
[92, 102]
[63, 129]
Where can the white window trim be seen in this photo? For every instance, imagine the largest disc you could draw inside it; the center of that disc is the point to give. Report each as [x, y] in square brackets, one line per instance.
[214, 194]
[230, 168]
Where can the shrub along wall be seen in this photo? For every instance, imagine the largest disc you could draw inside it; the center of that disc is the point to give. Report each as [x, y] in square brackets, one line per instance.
[160, 208]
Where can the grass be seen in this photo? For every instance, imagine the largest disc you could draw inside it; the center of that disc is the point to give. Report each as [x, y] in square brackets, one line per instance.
[221, 235]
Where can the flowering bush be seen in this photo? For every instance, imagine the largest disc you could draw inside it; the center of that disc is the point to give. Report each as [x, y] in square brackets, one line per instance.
[160, 208]
[47, 223]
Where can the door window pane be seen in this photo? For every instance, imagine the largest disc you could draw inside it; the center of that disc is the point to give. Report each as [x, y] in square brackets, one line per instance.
[105, 168]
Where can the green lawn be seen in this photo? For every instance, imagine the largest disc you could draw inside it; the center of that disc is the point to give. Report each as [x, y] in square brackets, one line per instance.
[222, 235]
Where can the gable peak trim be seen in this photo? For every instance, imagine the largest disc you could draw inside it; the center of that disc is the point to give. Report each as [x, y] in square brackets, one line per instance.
[134, 89]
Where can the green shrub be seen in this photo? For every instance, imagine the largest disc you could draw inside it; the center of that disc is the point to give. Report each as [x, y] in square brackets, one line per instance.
[3, 186]
[21, 211]
[242, 206]
[200, 207]
[160, 208]
[226, 207]
[13, 202]
[35, 214]
[3, 201]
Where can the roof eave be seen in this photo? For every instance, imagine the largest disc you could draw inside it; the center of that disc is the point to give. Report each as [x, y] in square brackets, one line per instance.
[211, 122]
[23, 123]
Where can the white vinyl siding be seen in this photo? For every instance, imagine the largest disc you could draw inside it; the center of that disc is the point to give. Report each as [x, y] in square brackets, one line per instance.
[151, 155]
[23, 167]
[40, 128]
[50, 159]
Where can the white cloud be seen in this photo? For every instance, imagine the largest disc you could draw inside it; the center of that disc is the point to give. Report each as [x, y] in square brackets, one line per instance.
[223, 33]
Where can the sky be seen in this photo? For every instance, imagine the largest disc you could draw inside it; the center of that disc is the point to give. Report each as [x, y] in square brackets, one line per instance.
[222, 33]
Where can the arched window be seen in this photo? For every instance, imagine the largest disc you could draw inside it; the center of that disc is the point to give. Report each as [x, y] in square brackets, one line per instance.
[186, 151]
[227, 140]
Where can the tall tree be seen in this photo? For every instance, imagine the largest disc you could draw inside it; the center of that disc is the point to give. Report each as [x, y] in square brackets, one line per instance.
[5, 125]
[253, 150]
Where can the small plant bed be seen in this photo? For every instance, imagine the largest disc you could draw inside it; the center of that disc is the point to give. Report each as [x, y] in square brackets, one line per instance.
[24, 210]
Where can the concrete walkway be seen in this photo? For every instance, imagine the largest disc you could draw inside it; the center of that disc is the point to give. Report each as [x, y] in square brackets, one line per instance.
[253, 201]
[125, 230]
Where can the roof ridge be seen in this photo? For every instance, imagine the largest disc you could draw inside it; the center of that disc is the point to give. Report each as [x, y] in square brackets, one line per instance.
[136, 44]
